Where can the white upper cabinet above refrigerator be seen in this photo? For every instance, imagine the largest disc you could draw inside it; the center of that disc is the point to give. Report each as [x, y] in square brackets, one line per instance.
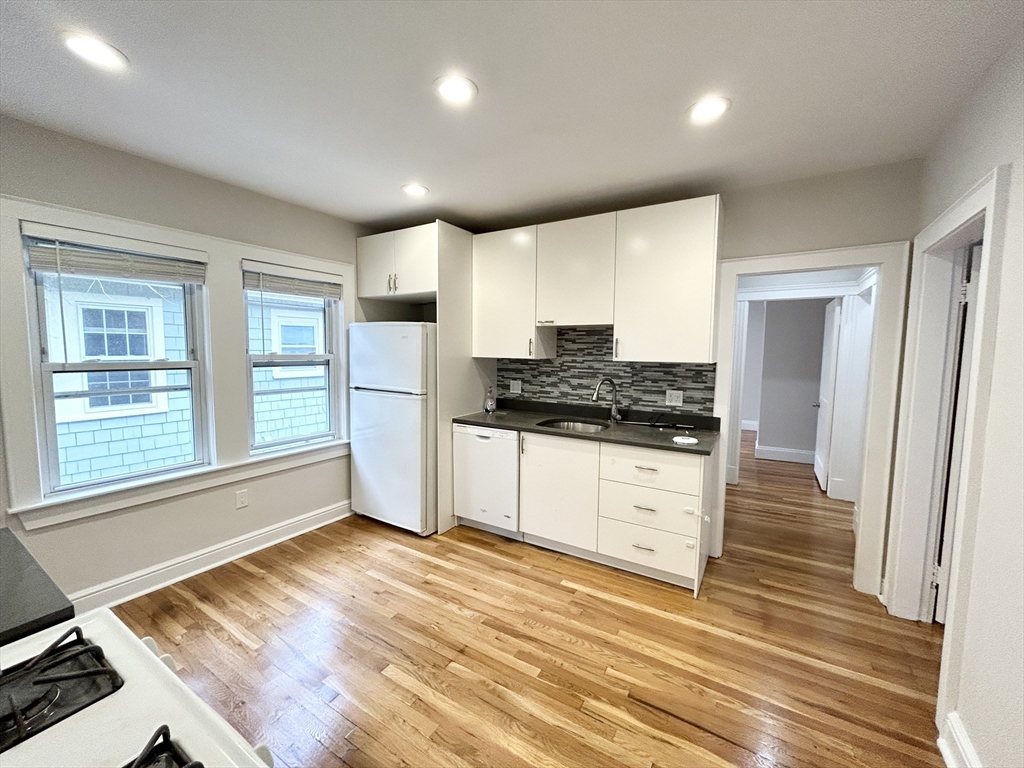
[400, 265]
[505, 296]
[576, 271]
[665, 265]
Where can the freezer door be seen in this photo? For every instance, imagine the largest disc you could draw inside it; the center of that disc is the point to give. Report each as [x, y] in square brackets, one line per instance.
[389, 472]
[389, 356]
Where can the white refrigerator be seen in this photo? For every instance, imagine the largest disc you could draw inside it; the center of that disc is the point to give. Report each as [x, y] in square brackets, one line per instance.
[393, 417]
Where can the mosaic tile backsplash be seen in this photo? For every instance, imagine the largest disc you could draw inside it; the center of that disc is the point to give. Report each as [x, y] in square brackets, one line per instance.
[584, 355]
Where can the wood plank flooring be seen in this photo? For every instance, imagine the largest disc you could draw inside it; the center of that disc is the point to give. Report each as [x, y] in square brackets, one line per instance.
[361, 645]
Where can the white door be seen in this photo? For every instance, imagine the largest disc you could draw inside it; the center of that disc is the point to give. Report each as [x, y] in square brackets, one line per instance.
[576, 271]
[826, 392]
[375, 262]
[389, 460]
[665, 265]
[389, 356]
[416, 260]
[558, 487]
[505, 294]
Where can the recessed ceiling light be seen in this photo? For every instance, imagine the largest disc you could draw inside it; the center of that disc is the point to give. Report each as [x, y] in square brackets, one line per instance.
[455, 89]
[709, 109]
[96, 52]
[415, 190]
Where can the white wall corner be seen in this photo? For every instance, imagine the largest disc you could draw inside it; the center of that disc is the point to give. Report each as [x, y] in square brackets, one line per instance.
[955, 744]
[146, 580]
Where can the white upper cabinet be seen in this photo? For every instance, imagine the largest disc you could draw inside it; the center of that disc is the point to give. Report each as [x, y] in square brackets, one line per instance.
[375, 265]
[665, 263]
[398, 265]
[576, 271]
[505, 296]
[416, 261]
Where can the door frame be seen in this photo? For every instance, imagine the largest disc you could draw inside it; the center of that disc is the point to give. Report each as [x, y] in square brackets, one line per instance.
[834, 363]
[908, 570]
[891, 260]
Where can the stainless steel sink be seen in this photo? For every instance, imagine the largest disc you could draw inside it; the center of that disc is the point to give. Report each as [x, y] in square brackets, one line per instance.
[575, 425]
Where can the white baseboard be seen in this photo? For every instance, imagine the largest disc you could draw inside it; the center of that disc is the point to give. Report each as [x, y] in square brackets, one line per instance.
[783, 454]
[749, 425]
[141, 582]
[955, 745]
[843, 490]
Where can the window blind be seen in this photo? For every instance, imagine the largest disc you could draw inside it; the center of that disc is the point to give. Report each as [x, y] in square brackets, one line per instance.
[84, 260]
[295, 286]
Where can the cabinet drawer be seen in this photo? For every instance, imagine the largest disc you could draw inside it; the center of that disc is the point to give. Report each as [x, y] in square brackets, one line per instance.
[650, 507]
[646, 546]
[669, 471]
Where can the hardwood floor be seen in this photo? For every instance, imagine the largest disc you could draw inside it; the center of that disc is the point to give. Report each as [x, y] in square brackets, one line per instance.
[358, 644]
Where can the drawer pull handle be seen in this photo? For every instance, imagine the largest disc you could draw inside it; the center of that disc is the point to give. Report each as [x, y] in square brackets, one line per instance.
[689, 510]
[646, 469]
[645, 509]
[641, 546]
[689, 545]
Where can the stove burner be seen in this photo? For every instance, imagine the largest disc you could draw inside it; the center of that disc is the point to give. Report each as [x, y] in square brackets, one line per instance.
[63, 679]
[161, 752]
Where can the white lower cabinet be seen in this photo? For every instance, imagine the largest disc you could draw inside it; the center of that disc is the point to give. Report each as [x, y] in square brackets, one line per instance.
[558, 486]
[649, 547]
[640, 509]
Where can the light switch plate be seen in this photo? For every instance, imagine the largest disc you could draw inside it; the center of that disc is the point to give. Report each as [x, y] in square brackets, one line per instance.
[515, 387]
[673, 397]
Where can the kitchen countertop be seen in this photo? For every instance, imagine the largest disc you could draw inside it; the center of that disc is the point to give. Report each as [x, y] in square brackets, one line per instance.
[29, 600]
[639, 435]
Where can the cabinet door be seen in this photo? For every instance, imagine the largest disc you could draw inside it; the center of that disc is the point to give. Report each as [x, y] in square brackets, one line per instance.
[576, 271]
[665, 281]
[375, 265]
[558, 484]
[416, 260]
[505, 295]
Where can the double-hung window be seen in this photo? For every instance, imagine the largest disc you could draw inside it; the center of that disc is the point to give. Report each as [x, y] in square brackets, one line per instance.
[117, 336]
[294, 320]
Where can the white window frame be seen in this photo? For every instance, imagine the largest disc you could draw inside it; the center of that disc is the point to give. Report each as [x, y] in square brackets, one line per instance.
[194, 337]
[334, 324]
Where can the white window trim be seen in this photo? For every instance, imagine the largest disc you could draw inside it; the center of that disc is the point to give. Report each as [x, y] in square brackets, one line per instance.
[227, 446]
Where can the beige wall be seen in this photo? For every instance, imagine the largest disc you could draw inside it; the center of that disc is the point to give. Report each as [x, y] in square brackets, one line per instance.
[984, 654]
[862, 207]
[38, 164]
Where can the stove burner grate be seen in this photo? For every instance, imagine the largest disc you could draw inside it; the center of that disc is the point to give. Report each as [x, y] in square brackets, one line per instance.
[161, 752]
[62, 680]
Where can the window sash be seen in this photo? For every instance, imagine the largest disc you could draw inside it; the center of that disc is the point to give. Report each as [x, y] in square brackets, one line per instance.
[194, 330]
[332, 385]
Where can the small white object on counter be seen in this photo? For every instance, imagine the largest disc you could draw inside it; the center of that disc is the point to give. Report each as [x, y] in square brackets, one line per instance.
[115, 729]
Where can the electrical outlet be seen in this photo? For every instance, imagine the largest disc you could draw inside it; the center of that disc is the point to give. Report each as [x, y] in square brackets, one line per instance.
[515, 387]
[241, 499]
[673, 397]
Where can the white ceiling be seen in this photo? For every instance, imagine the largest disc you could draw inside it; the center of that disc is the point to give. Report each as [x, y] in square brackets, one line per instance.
[581, 104]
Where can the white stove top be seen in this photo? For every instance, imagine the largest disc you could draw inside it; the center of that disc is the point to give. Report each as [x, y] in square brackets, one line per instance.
[111, 732]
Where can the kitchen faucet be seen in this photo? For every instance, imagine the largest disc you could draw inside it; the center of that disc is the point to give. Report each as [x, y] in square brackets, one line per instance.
[615, 397]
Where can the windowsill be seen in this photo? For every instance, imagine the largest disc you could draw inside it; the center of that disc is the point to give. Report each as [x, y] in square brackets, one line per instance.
[75, 505]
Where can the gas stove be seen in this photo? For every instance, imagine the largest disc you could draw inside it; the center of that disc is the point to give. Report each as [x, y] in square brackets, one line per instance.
[90, 693]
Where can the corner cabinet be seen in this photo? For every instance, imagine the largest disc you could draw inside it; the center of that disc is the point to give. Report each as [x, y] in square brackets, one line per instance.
[505, 297]
[398, 266]
[665, 265]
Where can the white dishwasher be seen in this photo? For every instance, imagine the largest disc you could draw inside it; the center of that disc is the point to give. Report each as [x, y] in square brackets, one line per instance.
[486, 475]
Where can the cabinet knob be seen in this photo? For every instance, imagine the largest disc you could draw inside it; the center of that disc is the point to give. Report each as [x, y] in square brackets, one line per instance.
[689, 510]
[689, 545]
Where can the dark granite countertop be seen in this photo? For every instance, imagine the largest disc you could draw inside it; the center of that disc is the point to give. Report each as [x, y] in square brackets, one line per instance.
[639, 435]
[29, 600]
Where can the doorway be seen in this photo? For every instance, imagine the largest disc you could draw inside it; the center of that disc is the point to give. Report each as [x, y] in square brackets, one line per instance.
[890, 261]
